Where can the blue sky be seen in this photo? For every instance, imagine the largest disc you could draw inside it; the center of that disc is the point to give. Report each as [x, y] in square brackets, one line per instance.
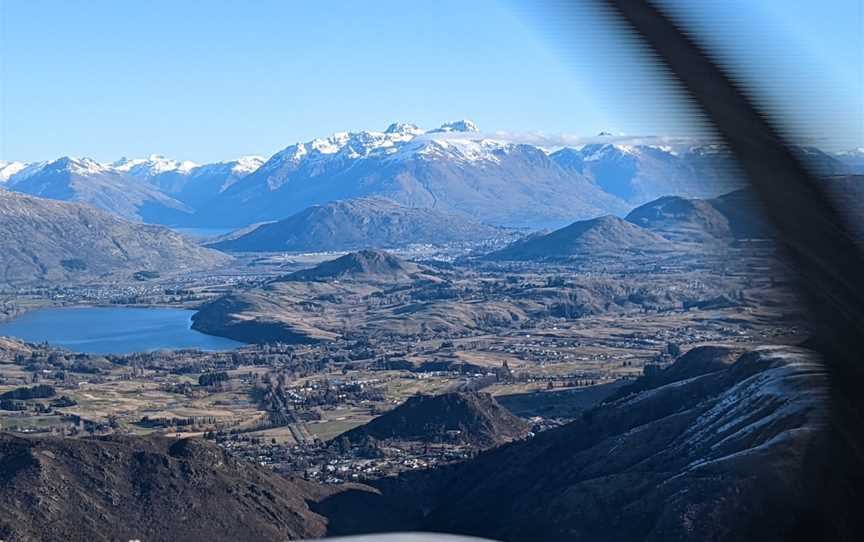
[211, 80]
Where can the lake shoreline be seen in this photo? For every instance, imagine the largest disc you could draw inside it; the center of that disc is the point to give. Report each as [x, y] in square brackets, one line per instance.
[113, 329]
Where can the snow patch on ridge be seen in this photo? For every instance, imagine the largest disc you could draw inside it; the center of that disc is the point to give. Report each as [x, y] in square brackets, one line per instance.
[8, 169]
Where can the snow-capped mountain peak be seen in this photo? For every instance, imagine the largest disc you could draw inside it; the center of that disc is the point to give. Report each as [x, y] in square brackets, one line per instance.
[455, 166]
[606, 151]
[852, 159]
[859, 152]
[404, 128]
[349, 145]
[329, 145]
[463, 125]
[247, 164]
[79, 166]
[152, 165]
[460, 150]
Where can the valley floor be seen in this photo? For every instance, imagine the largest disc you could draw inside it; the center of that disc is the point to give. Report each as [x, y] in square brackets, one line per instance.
[285, 405]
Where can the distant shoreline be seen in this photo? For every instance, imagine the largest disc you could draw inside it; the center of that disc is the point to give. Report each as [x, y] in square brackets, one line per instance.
[127, 333]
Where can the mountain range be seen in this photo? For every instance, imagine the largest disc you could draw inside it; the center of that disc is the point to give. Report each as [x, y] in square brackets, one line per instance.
[153, 190]
[454, 168]
[186, 181]
[495, 182]
[87, 181]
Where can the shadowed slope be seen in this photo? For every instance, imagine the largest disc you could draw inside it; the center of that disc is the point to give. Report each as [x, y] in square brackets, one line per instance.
[586, 238]
[477, 417]
[360, 223]
[50, 240]
[145, 489]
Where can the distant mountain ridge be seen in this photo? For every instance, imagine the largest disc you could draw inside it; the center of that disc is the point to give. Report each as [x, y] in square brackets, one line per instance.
[452, 169]
[42, 239]
[8, 169]
[853, 159]
[153, 190]
[728, 217]
[455, 168]
[82, 180]
[605, 235]
[187, 181]
[656, 227]
[682, 219]
[360, 223]
[640, 173]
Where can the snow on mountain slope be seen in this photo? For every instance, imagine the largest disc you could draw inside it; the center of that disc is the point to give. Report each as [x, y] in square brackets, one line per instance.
[454, 169]
[163, 173]
[191, 183]
[641, 173]
[152, 166]
[709, 457]
[205, 182]
[340, 146]
[853, 159]
[493, 178]
[86, 181]
[245, 164]
[153, 189]
[8, 169]
[457, 126]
